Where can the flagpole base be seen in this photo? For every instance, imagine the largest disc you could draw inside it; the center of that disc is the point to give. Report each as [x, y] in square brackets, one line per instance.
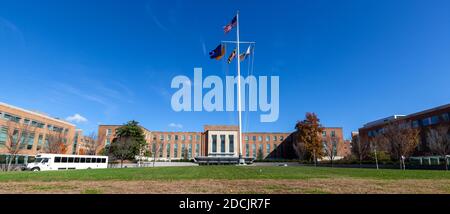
[241, 161]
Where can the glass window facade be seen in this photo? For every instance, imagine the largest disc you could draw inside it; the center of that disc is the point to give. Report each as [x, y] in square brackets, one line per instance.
[247, 150]
[426, 121]
[446, 116]
[222, 143]
[183, 150]
[30, 141]
[214, 143]
[190, 151]
[168, 150]
[175, 150]
[434, 120]
[197, 149]
[3, 135]
[231, 145]
[254, 150]
[39, 145]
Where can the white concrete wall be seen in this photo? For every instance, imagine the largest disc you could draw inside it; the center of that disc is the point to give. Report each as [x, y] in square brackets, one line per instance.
[227, 141]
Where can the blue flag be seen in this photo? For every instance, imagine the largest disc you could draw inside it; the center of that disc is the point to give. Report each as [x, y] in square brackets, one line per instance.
[217, 53]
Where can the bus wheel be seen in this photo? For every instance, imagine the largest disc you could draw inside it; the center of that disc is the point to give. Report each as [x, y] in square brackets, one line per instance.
[36, 169]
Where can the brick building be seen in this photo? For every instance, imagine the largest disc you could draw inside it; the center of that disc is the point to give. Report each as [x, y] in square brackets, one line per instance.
[223, 141]
[34, 129]
[423, 120]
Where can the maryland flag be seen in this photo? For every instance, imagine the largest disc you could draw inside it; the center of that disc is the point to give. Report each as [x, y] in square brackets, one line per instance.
[232, 55]
[217, 53]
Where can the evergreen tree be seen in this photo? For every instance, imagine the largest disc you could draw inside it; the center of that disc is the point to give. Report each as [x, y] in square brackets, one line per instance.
[128, 142]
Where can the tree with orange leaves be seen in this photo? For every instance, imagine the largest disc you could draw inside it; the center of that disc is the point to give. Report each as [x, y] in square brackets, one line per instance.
[308, 137]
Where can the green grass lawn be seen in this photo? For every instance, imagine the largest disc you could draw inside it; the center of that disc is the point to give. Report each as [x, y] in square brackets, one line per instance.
[221, 172]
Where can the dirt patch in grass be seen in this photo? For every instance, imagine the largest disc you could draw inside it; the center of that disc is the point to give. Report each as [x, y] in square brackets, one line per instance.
[310, 186]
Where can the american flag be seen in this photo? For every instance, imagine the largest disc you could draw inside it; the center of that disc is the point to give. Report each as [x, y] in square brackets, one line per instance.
[230, 26]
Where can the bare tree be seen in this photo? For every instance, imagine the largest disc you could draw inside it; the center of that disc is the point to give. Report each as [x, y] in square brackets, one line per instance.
[57, 143]
[331, 147]
[438, 140]
[401, 140]
[18, 136]
[93, 143]
[359, 149]
[185, 154]
[158, 148]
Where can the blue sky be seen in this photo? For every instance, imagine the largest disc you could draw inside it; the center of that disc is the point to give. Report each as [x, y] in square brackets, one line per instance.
[350, 62]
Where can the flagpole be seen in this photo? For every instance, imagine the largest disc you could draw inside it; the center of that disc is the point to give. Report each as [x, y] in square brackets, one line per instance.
[241, 161]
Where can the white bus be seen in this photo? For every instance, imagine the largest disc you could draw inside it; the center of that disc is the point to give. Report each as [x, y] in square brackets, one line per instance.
[44, 162]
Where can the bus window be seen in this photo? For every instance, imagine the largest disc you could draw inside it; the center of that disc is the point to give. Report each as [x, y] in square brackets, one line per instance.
[88, 160]
[93, 160]
[70, 159]
[45, 160]
[103, 160]
[57, 159]
[64, 159]
[77, 160]
[99, 160]
[83, 160]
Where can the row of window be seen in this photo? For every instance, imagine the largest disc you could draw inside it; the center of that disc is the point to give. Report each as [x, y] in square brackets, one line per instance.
[263, 152]
[332, 134]
[176, 137]
[431, 120]
[418, 123]
[260, 138]
[26, 139]
[79, 160]
[17, 159]
[186, 150]
[34, 123]
[222, 143]
[197, 137]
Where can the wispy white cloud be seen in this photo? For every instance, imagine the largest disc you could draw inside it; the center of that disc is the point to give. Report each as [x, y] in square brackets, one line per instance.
[7, 27]
[158, 23]
[87, 96]
[77, 118]
[204, 48]
[176, 125]
[155, 19]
